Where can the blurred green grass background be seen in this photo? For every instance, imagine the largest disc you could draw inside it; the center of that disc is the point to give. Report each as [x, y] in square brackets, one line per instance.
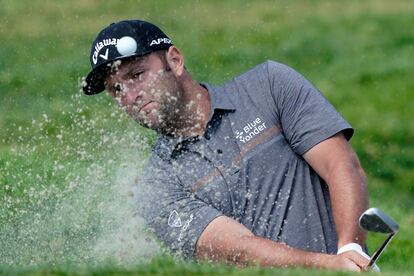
[358, 53]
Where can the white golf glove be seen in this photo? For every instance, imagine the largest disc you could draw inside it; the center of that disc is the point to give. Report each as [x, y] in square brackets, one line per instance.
[356, 247]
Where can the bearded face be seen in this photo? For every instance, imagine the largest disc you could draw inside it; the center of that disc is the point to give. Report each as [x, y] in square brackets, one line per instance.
[146, 90]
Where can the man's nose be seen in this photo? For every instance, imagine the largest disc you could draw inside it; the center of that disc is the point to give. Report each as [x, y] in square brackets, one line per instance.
[133, 95]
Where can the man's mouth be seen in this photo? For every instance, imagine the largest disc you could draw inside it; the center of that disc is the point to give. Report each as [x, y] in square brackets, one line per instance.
[147, 107]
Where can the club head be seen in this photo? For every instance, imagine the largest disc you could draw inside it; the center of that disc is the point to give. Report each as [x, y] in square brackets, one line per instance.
[374, 220]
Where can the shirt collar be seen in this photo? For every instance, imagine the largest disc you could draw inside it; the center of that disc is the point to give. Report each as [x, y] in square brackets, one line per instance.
[165, 144]
[219, 98]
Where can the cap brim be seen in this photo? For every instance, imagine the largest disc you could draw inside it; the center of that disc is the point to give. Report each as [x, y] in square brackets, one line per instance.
[94, 82]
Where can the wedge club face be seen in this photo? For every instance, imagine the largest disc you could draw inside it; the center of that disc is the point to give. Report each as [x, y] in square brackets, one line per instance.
[374, 220]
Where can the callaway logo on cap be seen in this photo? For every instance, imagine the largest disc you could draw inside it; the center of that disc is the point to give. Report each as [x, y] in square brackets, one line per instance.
[121, 40]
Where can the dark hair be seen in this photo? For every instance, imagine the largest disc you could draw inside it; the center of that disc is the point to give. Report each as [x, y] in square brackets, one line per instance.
[162, 56]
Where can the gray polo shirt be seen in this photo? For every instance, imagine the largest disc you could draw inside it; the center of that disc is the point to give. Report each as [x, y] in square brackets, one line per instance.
[248, 166]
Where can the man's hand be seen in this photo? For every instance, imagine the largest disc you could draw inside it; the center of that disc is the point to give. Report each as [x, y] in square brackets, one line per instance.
[358, 249]
[349, 260]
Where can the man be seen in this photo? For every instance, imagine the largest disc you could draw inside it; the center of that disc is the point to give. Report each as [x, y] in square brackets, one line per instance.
[258, 170]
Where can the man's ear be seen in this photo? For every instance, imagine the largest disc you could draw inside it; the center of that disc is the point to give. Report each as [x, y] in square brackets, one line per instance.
[175, 60]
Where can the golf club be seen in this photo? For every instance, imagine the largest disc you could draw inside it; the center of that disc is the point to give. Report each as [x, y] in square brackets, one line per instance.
[374, 220]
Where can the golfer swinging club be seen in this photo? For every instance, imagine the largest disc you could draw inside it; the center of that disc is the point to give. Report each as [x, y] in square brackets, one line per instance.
[255, 171]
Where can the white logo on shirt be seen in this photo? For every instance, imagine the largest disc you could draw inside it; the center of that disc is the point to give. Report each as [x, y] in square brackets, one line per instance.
[174, 219]
[185, 227]
[250, 130]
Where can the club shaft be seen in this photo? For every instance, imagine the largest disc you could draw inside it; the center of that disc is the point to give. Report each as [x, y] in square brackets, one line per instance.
[377, 253]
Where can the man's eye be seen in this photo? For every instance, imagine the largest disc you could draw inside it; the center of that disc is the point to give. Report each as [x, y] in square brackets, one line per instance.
[137, 75]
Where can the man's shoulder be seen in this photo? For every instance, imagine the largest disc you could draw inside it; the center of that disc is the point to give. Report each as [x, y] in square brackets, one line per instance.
[267, 68]
[260, 72]
[261, 75]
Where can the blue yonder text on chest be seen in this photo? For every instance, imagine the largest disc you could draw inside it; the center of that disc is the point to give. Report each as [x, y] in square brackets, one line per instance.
[250, 130]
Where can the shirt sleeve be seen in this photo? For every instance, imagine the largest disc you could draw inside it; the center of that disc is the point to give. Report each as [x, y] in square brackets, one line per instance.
[176, 216]
[305, 116]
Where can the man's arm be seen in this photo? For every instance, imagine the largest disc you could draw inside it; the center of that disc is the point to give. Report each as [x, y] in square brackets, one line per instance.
[335, 161]
[226, 240]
